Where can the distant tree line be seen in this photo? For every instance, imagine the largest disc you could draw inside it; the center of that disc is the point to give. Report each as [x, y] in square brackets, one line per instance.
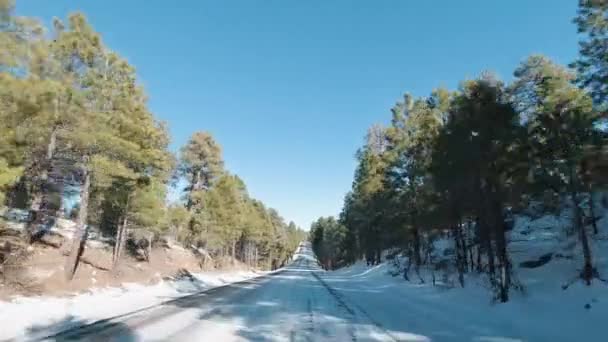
[462, 162]
[73, 118]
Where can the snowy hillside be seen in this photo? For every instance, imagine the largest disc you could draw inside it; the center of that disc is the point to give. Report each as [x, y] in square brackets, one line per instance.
[554, 304]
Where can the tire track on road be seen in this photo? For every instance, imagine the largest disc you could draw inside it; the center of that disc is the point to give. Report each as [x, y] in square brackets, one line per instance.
[352, 309]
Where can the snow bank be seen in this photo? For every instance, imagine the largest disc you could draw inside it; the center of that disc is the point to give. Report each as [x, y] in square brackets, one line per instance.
[544, 311]
[24, 316]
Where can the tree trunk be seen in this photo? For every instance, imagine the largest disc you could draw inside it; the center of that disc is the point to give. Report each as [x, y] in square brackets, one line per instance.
[234, 252]
[41, 189]
[80, 236]
[463, 246]
[149, 248]
[196, 180]
[592, 212]
[587, 273]
[479, 268]
[486, 238]
[491, 265]
[121, 235]
[459, 255]
[417, 258]
[504, 265]
[470, 244]
[270, 257]
[52, 145]
[471, 260]
[406, 270]
[117, 242]
[34, 214]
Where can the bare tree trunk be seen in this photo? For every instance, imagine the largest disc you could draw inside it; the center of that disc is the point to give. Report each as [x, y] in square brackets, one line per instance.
[504, 265]
[117, 242]
[491, 265]
[479, 268]
[234, 252]
[471, 260]
[196, 180]
[41, 189]
[406, 270]
[470, 247]
[121, 235]
[587, 273]
[459, 255]
[80, 236]
[149, 248]
[592, 212]
[270, 259]
[486, 236]
[417, 258]
[52, 145]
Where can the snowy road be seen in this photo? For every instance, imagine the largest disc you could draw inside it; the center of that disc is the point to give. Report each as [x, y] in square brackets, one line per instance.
[292, 304]
[301, 302]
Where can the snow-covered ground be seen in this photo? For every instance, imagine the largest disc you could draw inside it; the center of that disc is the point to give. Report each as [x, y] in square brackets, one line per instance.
[545, 313]
[32, 317]
[301, 302]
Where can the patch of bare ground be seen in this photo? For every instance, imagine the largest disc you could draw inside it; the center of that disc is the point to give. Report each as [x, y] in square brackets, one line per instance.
[38, 269]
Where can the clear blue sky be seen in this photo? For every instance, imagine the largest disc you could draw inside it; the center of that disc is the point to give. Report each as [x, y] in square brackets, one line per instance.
[289, 87]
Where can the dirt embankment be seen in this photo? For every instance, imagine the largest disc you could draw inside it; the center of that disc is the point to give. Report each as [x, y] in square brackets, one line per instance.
[38, 269]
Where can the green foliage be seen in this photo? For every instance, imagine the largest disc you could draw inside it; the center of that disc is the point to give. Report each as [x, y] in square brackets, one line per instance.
[8, 176]
[327, 237]
[592, 64]
[460, 162]
[72, 113]
[200, 164]
[560, 121]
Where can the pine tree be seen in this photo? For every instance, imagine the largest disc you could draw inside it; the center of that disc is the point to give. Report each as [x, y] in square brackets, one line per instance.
[561, 131]
[201, 164]
[474, 153]
[592, 64]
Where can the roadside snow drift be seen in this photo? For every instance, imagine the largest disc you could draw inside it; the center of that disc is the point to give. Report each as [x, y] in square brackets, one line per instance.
[35, 317]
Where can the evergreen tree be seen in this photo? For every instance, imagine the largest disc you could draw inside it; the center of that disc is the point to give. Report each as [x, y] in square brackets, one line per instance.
[592, 64]
[561, 135]
[200, 164]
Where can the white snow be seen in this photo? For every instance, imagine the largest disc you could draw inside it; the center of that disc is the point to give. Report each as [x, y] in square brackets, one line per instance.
[24, 317]
[543, 312]
[303, 303]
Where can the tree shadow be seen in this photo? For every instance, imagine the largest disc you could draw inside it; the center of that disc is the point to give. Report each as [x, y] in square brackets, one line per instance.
[301, 303]
[72, 329]
[297, 303]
